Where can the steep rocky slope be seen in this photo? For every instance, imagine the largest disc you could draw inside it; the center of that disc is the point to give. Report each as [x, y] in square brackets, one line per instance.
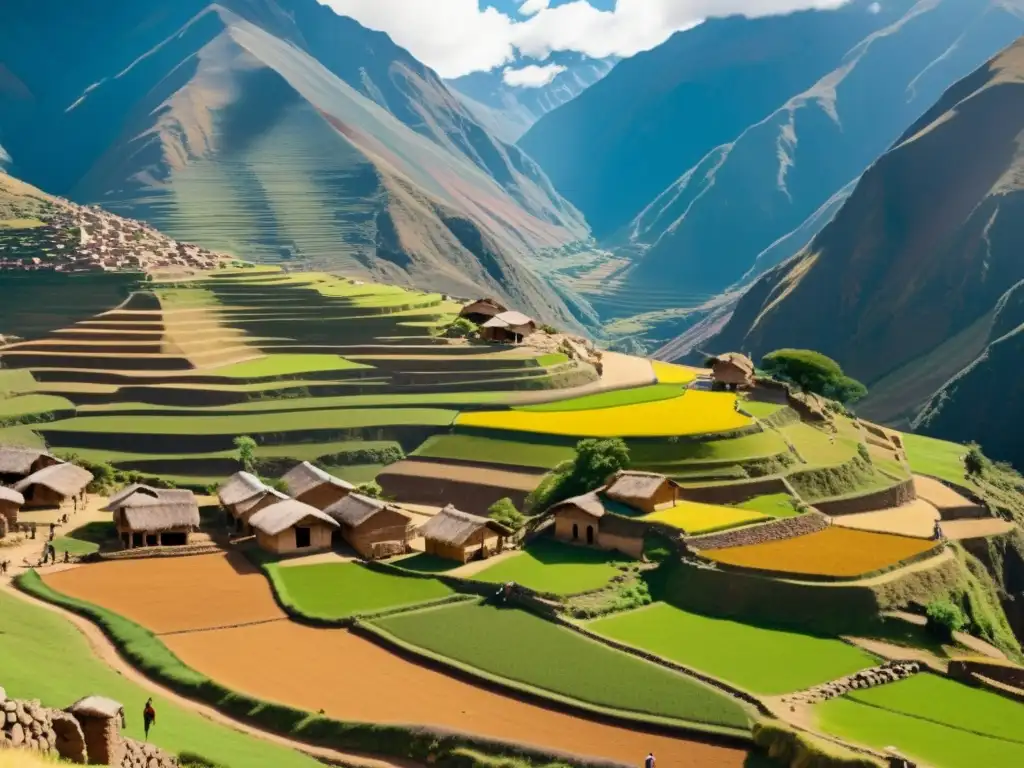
[918, 276]
[276, 129]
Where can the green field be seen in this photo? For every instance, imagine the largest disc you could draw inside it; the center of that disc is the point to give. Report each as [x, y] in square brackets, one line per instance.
[85, 539]
[547, 565]
[43, 656]
[612, 399]
[519, 646]
[766, 661]
[340, 590]
[939, 458]
[29, 405]
[495, 451]
[815, 446]
[759, 409]
[773, 505]
[933, 719]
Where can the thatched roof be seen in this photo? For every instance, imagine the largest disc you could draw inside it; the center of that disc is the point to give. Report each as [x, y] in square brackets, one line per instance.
[96, 706]
[304, 477]
[125, 493]
[11, 495]
[509, 320]
[627, 486]
[240, 487]
[454, 527]
[16, 460]
[494, 304]
[355, 509]
[589, 502]
[163, 516]
[65, 479]
[737, 359]
[139, 495]
[244, 506]
[283, 515]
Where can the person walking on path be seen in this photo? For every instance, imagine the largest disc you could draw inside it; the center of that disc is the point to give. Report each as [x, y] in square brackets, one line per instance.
[148, 716]
[649, 761]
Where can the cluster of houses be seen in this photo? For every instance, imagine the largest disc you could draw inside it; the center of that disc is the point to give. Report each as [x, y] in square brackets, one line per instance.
[77, 238]
[498, 323]
[31, 478]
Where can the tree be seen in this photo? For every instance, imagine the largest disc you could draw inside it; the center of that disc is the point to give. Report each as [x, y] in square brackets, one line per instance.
[460, 328]
[814, 372]
[246, 448]
[975, 462]
[846, 390]
[371, 489]
[504, 511]
[595, 460]
[945, 618]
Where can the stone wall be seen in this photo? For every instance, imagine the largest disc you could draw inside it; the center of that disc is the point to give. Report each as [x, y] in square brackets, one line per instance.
[887, 498]
[139, 755]
[27, 725]
[776, 530]
[737, 493]
[889, 672]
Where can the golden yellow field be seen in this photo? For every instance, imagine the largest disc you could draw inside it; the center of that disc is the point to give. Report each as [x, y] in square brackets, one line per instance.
[667, 373]
[695, 413]
[839, 552]
[695, 518]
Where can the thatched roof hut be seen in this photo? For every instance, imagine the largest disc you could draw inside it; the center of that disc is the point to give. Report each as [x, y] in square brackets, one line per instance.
[312, 485]
[585, 520]
[643, 491]
[240, 487]
[146, 516]
[457, 535]
[11, 496]
[731, 370]
[290, 526]
[482, 310]
[374, 528]
[510, 327]
[17, 462]
[51, 485]
[10, 504]
[139, 495]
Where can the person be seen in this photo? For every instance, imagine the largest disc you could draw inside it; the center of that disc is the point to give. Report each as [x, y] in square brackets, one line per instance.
[53, 553]
[67, 556]
[649, 762]
[148, 716]
[76, 505]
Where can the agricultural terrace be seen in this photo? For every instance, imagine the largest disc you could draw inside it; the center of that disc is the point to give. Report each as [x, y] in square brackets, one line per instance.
[613, 399]
[937, 458]
[340, 590]
[694, 518]
[670, 373]
[547, 565]
[760, 660]
[775, 505]
[373, 685]
[932, 719]
[550, 658]
[832, 553]
[63, 667]
[692, 413]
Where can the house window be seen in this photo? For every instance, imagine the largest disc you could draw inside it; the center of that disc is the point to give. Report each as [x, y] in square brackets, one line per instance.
[590, 534]
[575, 532]
[303, 538]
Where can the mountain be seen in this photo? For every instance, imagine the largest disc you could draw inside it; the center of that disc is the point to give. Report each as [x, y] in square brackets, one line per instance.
[510, 110]
[758, 199]
[276, 129]
[622, 142]
[915, 286]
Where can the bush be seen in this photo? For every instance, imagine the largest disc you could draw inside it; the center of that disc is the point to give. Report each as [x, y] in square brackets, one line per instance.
[371, 489]
[595, 461]
[975, 462]
[550, 330]
[192, 760]
[246, 448]
[863, 451]
[945, 618]
[504, 511]
[814, 372]
[461, 328]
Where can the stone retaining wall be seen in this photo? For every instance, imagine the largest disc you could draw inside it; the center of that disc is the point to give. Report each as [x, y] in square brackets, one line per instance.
[889, 672]
[776, 530]
[737, 493]
[139, 755]
[895, 496]
[27, 725]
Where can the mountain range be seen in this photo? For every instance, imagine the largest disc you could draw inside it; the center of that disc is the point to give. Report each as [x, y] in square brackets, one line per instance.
[276, 129]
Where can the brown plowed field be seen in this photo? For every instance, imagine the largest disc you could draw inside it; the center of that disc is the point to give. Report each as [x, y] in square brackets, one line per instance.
[943, 497]
[958, 530]
[916, 519]
[334, 670]
[466, 473]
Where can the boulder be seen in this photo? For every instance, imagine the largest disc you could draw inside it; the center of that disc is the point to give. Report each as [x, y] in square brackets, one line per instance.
[17, 735]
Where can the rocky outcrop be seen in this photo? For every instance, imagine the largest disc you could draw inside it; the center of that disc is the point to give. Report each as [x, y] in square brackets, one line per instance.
[890, 672]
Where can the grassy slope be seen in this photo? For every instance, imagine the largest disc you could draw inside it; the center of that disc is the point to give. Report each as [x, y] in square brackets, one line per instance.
[936, 457]
[520, 646]
[340, 590]
[550, 566]
[935, 720]
[773, 505]
[27, 405]
[495, 451]
[43, 656]
[85, 539]
[765, 661]
[759, 409]
[651, 394]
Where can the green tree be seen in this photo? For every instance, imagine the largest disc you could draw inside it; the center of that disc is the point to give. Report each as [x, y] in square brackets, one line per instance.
[814, 372]
[504, 511]
[945, 618]
[371, 489]
[595, 460]
[460, 328]
[246, 448]
[975, 462]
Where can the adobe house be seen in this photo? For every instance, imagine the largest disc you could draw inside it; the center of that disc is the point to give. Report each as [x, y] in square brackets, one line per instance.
[508, 328]
[731, 371]
[292, 526]
[10, 503]
[312, 485]
[154, 517]
[17, 463]
[373, 528]
[482, 310]
[645, 492]
[243, 495]
[101, 720]
[460, 536]
[52, 485]
[584, 520]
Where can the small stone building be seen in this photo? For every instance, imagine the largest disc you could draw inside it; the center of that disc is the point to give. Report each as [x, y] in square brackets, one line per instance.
[482, 310]
[731, 370]
[508, 328]
[456, 535]
[10, 503]
[312, 485]
[154, 517]
[373, 528]
[584, 520]
[292, 526]
[643, 491]
[52, 485]
[101, 720]
[17, 463]
[242, 496]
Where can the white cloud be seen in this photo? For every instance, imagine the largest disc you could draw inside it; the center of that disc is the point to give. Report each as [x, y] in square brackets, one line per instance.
[457, 37]
[531, 7]
[532, 76]
[875, 8]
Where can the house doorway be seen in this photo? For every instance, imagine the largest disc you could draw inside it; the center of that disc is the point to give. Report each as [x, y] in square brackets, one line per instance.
[575, 532]
[590, 534]
[302, 538]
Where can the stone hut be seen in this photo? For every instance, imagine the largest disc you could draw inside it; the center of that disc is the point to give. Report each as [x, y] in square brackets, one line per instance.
[643, 491]
[17, 463]
[102, 720]
[584, 520]
[242, 496]
[372, 527]
[154, 517]
[312, 485]
[508, 328]
[482, 310]
[731, 370]
[52, 485]
[456, 535]
[292, 526]
[10, 502]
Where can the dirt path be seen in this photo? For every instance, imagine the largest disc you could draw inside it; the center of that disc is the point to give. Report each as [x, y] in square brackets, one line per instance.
[620, 372]
[348, 677]
[107, 652]
[31, 549]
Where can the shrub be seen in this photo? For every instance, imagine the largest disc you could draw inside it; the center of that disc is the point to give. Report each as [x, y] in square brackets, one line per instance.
[550, 330]
[246, 448]
[504, 511]
[460, 328]
[595, 461]
[814, 372]
[945, 618]
[863, 451]
[975, 462]
[371, 489]
[192, 760]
